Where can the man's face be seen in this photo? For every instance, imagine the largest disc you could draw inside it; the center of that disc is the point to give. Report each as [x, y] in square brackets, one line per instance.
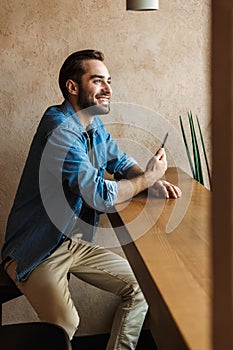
[95, 90]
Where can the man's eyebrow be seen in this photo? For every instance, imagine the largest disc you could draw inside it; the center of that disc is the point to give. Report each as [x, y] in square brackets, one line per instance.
[99, 76]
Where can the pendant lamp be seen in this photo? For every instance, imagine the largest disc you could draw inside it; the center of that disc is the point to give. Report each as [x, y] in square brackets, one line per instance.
[142, 5]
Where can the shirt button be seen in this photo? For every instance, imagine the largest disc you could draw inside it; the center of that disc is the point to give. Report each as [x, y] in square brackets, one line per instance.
[75, 218]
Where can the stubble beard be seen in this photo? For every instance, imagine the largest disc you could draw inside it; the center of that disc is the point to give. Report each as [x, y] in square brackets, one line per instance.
[91, 107]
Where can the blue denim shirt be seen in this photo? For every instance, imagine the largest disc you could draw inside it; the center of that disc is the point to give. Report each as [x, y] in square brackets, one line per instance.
[60, 175]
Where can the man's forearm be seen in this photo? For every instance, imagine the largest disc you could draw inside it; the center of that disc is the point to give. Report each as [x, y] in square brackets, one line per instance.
[134, 171]
[135, 182]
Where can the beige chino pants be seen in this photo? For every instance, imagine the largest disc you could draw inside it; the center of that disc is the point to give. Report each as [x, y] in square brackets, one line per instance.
[47, 289]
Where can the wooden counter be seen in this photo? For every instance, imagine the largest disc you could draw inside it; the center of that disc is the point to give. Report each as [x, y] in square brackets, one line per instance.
[173, 269]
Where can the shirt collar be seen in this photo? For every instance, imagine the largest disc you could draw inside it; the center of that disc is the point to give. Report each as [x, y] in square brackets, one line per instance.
[68, 110]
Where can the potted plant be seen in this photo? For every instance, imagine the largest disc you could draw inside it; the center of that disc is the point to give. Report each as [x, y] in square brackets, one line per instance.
[195, 159]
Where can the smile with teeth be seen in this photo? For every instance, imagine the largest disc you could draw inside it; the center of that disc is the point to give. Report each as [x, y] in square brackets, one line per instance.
[103, 99]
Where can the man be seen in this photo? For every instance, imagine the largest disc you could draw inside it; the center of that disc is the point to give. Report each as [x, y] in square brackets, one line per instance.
[60, 196]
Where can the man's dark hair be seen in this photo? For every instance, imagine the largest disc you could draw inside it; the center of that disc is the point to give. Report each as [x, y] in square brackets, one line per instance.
[74, 67]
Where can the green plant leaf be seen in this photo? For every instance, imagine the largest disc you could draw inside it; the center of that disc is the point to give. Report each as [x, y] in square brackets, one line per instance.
[187, 148]
[204, 151]
[196, 153]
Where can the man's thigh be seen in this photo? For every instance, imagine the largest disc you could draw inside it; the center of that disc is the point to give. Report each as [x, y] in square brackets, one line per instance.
[47, 290]
[104, 269]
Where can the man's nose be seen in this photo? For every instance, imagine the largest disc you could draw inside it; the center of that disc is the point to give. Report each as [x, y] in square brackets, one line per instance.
[106, 88]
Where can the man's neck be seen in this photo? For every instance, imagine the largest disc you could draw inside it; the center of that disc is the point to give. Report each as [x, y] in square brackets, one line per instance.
[84, 117]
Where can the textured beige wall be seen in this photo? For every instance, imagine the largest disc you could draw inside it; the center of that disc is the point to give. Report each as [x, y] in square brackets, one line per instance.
[158, 60]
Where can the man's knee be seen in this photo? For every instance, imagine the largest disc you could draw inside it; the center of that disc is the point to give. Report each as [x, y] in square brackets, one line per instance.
[68, 321]
[133, 290]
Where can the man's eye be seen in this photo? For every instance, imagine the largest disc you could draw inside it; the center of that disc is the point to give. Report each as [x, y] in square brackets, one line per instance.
[97, 81]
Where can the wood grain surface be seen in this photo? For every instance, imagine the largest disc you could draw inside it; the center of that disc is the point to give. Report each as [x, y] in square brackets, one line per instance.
[173, 269]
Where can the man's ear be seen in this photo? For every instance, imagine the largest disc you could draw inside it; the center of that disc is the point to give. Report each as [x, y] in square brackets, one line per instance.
[72, 87]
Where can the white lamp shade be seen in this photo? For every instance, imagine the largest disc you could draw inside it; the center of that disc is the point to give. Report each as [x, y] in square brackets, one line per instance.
[142, 5]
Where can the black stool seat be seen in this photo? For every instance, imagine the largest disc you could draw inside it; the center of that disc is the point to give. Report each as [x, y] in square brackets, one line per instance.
[8, 289]
[36, 336]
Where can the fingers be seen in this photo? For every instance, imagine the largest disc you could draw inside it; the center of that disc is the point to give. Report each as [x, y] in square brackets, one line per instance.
[174, 191]
[164, 192]
[157, 166]
[160, 153]
[178, 191]
[165, 189]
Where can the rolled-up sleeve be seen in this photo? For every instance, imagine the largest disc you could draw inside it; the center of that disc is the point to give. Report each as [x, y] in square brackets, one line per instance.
[98, 193]
[118, 161]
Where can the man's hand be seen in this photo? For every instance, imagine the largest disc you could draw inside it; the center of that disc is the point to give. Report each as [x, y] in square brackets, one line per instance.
[156, 166]
[137, 181]
[165, 189]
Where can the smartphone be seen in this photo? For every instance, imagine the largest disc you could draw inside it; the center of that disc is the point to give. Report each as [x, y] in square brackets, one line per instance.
[164, 141]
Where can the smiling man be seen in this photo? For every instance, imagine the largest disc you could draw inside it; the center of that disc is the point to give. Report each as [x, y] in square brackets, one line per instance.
[61, 193]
